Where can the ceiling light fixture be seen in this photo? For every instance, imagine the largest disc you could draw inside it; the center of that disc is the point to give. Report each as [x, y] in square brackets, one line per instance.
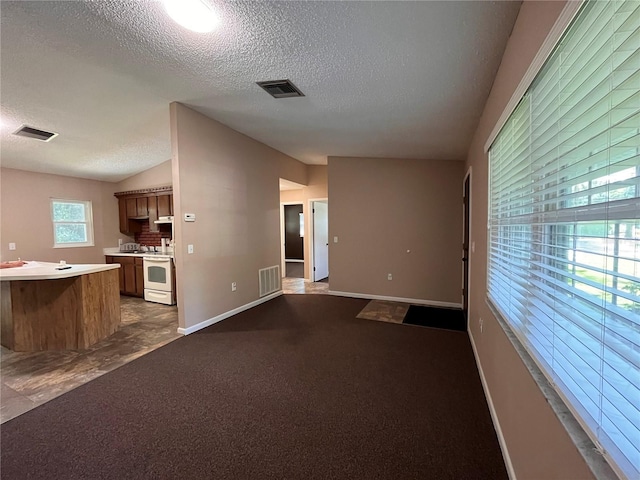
[195, 15]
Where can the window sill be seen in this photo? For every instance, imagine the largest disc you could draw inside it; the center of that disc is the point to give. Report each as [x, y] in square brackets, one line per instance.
[74, 245]
[592, 456]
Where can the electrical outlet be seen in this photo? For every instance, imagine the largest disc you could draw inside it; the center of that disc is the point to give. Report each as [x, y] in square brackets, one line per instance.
[389, 276]
[12, 246]
[481, 324]
[189, 248]
[234, 287]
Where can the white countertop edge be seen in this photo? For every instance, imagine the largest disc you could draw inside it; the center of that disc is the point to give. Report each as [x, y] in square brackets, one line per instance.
[115, 252]
[47, 271]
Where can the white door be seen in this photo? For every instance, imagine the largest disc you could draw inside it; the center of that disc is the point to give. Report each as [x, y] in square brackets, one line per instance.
[320, 240]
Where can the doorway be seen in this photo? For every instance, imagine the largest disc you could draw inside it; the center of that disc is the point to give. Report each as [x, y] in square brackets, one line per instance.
[294, 240]
[317, 254]
[466, 226]
[320, 241]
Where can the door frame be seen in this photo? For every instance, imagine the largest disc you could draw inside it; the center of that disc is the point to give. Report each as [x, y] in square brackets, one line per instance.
[283, 263]
[312, 235]
[465, 305]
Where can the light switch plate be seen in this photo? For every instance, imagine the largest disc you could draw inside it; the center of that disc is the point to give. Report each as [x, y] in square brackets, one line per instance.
[190, 248]
[12, 246]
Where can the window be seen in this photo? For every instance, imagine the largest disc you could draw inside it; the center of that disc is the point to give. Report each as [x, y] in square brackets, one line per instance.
[72, 223]
[564, 224]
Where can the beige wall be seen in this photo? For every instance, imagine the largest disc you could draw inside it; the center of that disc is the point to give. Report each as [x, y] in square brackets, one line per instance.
[158, 176]
[25, 215]
[231, 183]
[379, 209]
[538, 445]
[316, 189]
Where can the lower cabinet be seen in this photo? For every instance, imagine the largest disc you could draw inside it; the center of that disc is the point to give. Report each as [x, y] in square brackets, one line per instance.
[131, 275]
[139, 277]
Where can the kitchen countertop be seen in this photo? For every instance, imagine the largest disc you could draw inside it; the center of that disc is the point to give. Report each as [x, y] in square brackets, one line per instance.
[115, 252]
[33, 270]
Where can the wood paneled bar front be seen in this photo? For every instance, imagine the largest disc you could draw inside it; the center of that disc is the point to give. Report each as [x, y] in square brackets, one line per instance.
[43, 308]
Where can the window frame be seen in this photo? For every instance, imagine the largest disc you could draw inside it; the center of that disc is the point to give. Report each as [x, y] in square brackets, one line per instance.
[88, 222]
[521, 339]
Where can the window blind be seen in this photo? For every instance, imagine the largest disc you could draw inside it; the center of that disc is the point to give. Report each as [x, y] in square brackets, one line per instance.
[564, 224]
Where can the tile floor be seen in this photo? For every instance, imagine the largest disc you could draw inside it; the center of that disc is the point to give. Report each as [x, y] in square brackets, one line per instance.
[384, 311]
[30, 379]
[300, 285]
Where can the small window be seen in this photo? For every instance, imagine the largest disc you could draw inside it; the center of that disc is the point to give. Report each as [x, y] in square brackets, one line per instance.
[72, 223]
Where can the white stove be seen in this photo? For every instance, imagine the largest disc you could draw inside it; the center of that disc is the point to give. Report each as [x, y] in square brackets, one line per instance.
[158, 278]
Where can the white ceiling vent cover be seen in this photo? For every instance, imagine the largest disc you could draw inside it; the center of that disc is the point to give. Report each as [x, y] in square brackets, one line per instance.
[30, 132]
[281, 88]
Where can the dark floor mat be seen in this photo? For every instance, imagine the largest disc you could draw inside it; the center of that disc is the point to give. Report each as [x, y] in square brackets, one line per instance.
[447, 318]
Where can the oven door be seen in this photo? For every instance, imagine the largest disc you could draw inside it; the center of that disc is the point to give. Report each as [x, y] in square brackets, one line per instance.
[157, 273]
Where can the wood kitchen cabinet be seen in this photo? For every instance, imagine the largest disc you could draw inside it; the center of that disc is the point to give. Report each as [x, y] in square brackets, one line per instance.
[161, 206]
[128, 209]
[142, 204]
[139, 277]
[165, 205]
[130, 274]
[123, 218]
[132, 207]
[139, 206]
[152, 205]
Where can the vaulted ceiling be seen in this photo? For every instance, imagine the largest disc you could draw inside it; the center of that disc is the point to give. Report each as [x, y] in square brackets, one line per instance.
[381, 79]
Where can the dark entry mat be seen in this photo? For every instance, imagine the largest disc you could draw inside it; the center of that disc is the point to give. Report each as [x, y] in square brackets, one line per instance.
[447, 318]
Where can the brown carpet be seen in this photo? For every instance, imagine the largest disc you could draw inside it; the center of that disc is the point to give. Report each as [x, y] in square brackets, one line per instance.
[296, 388]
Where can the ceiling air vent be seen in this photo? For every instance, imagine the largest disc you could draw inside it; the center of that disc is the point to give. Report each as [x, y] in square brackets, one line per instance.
[281, 88]
[30, 132]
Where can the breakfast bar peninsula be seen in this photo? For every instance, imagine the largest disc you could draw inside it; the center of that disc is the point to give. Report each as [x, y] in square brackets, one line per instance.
[49, 306]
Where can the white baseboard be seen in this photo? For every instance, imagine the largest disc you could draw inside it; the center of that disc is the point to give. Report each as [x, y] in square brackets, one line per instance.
[494, 416]
[230, 313]
[418, 301]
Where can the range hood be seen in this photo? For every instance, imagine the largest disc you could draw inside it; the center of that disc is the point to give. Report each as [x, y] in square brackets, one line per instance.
[168, 219]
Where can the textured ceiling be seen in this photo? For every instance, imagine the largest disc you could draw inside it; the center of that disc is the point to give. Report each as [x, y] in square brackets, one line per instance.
[381, 79]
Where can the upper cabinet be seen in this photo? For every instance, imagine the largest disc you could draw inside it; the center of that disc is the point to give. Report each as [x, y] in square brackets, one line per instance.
[165, 204]
[143, 205]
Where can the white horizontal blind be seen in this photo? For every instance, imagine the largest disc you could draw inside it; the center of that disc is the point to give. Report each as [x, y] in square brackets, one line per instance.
[564, 224]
